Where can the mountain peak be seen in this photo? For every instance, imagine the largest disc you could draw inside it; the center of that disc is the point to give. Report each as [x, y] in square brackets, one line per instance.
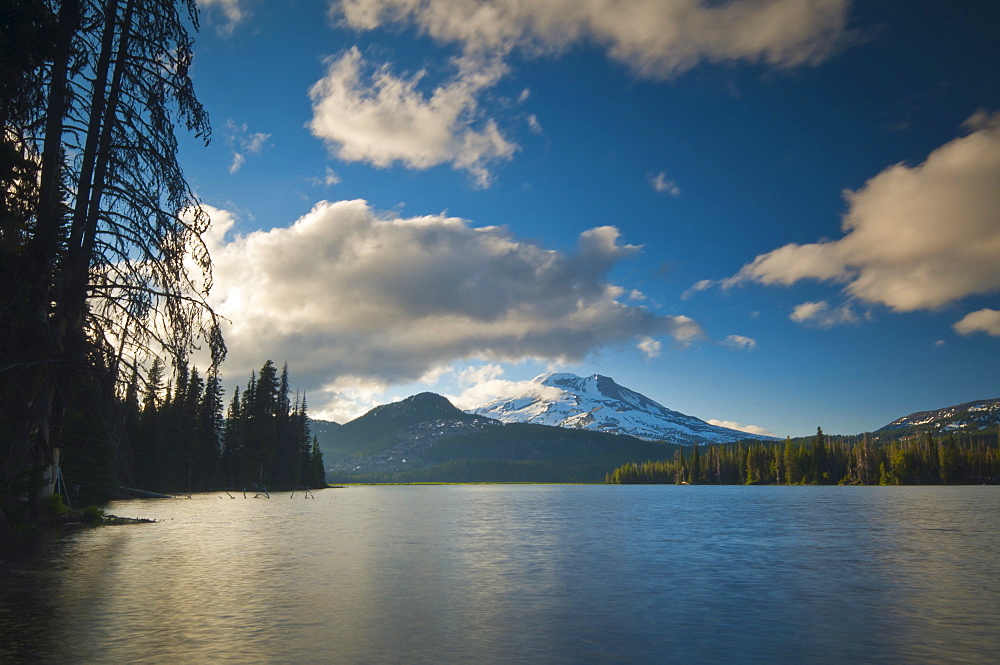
[555, 378]
[599, 403]
[423, 405]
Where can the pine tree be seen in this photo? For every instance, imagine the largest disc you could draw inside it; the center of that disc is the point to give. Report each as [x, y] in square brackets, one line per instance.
[694, 476]
[818, 472]
[209, 428]
[103, 231]
[233, 441]
[679, 462]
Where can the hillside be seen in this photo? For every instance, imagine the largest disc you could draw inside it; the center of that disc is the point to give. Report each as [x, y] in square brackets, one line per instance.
[425, 438]
[966, 417]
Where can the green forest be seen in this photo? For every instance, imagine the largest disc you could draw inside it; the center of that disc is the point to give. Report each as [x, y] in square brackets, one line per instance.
[919, 459]
[174, 436]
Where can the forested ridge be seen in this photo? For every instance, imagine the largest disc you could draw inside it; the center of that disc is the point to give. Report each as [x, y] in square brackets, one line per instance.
[920, 459]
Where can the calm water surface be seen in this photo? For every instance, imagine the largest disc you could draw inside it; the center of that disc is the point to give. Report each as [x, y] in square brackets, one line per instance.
[522, 574]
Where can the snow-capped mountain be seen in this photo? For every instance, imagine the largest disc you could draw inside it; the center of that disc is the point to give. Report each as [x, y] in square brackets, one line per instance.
[969, 416]
[598, 403]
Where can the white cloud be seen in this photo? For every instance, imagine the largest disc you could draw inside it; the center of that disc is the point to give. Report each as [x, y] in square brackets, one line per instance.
[233, 12]
[750, 429]
[329, 179]
[473, 376]
[702, 285]
[492, 387]
[820, 314]
[238, 159]
[244, 143]
[685, 331]
[344, 398]
[253, 143]
[914, 237]
[384, 119]
[656, 38]
[650, 347]
[388, 119]
[982, 321]
[352, 297]
[663, 186]
[740, 342]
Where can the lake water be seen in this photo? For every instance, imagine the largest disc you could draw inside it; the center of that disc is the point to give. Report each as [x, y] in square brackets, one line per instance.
[522, 574]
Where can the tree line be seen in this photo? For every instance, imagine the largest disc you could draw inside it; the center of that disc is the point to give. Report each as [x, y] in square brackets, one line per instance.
[102, 263]
[922, 459]
[179, 439]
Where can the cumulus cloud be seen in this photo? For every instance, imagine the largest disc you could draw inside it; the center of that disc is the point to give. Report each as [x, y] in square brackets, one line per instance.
[233, 13]
[819, 314]
[662, 185]
[750, 429]
[371, 115]
[349, 296]
[740, 342]
[655, 38]
[915, 237]
[982, 321]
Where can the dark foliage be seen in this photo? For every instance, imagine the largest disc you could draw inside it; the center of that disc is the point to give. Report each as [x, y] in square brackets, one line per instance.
[923, 459]
[101, 259]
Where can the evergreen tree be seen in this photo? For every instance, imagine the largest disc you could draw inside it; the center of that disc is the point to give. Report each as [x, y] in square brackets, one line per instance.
[233, 441]
[100, 233]
[150, 442]
[818, 459]
[694, 476]
[209, 427]
[947, 459]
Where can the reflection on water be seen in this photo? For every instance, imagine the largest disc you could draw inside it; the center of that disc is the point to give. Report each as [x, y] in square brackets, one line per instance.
[541, 574]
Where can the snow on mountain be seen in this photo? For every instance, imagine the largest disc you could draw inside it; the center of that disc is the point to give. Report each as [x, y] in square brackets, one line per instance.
[968, 416]
[598, 403]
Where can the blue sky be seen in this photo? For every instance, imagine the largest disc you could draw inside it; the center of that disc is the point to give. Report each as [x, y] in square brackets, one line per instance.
[777, 214]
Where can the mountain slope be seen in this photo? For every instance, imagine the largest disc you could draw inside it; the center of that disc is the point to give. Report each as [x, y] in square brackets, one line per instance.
[425, 438]
[970, 416]
[421, 417]
[597, 403]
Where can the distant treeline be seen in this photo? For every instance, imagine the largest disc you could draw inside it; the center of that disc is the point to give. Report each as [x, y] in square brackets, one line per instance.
[171, 436]
[922, 459]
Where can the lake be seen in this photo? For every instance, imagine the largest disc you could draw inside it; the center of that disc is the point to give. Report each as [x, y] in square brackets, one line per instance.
[521, 574]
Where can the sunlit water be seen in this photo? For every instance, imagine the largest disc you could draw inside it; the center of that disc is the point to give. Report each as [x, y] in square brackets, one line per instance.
[522, 574]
